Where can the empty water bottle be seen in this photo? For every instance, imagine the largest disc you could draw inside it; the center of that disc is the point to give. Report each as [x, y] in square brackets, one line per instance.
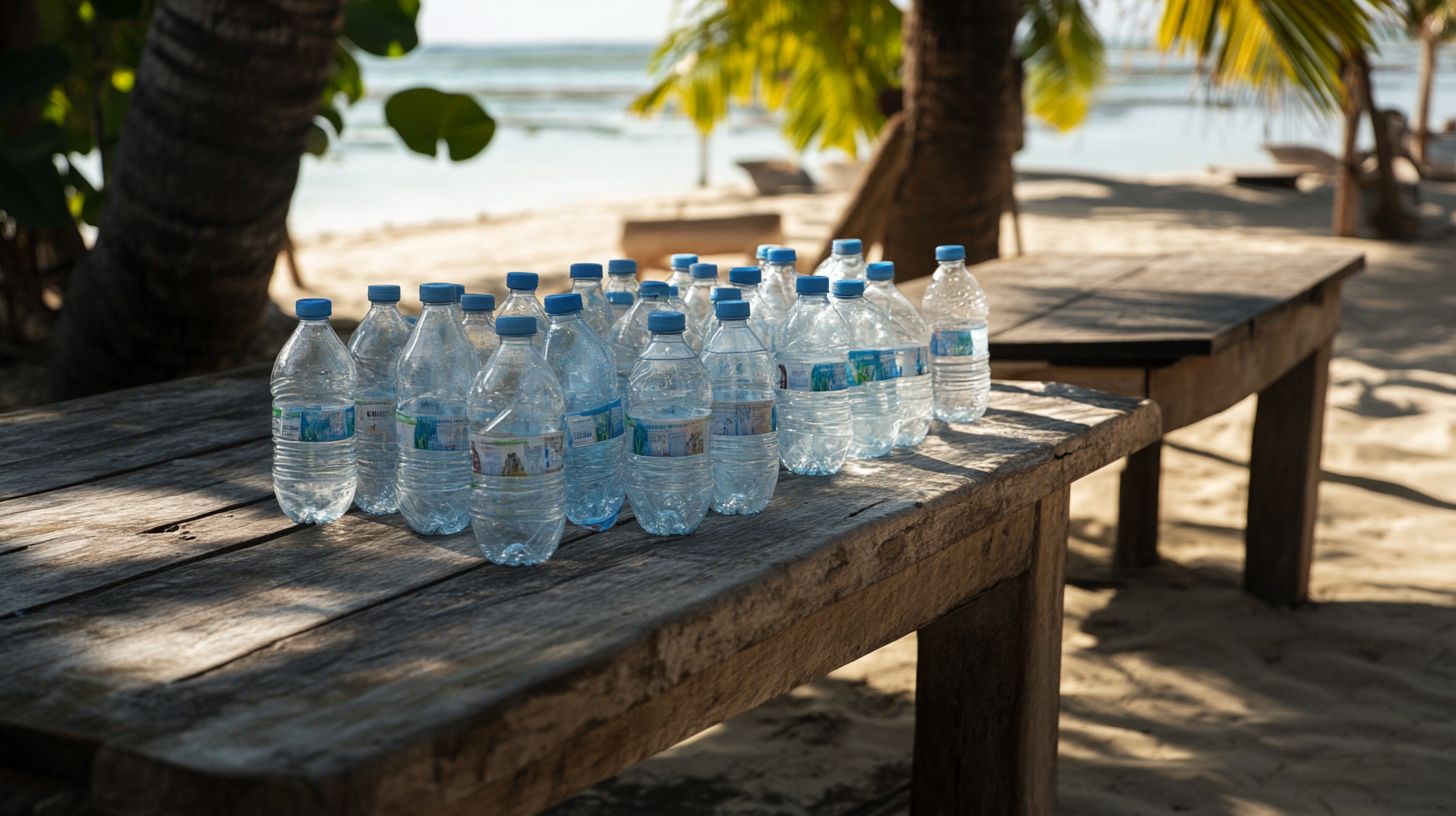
[586, 280]
[960, 355]
[521, 300]
[777, 290]
[596, 444]
[845, 261]
[622, 277]
[621, 302]
[434, 376]
[517, 447]
[375, 347]
[874, 404]
[811, 349]
[669, 398]
[313, 419]
[479, 323]
[699, 297]
[695, 333]
[746, 280]
[629, 335]
[681, 276]
[744, 423]
[911, 335]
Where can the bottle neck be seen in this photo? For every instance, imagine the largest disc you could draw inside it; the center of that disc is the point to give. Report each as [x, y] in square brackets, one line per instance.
[705, 283]
[521, 294]
[953, 266]
[569, 317]
[383, 306]
[519, 340]
[814, 297]
[478, 317]
[585, 283]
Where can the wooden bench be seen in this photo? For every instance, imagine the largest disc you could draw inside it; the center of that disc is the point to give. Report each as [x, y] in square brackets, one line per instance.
[1196, 333]
[173, 644]
[651, 242]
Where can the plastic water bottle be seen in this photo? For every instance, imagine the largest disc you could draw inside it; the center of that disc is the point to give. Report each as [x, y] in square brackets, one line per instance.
[960, 353]
[699, 297]
[375, 347]
[620, 302]
[522, 301]
[586, 280]
[874, 402]
[479, 323]
[682, 276]
[811, 349]
[845, 261]
[458, 291]
[628, 338]
[746, 280]
[720, 293]
[911, 336]
[596, 442]
[517, 445]
[434, 375]
[669, 398]
[313, 419]
[694, 334]
[777, 289]
[744, 423]
[622, 277]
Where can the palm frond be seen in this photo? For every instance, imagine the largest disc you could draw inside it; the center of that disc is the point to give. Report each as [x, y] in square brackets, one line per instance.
[1064, 61]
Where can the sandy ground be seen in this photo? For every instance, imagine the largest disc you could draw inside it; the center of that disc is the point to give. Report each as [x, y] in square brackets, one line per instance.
[1179, 694]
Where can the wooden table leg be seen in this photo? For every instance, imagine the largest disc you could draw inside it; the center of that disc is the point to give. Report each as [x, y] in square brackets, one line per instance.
[986, 690]
[1137, 508]
[1284, 476]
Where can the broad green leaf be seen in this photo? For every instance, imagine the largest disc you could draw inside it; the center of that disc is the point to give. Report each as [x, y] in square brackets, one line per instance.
[31, 73]
[424, 117]
[318, 141]
[385, 28]
[332, 115]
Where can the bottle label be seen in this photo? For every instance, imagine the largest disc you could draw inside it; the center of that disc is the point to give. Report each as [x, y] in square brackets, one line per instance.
[826, 376]
[517, 456]
[953, 343]
[872, 365]
[600, 424]
[313, 424]
[432, 433]
[376, 419]
[669, 437]
[913, 360]
[749, 418]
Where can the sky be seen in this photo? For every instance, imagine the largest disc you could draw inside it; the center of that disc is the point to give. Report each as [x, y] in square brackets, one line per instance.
[543, 21]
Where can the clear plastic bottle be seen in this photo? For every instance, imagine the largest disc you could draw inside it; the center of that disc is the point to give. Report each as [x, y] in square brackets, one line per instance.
[586, 280]
[911, 335]
[846, 261]
[596, 444]
[960, 354]
[874, 402]
[746, 280]
[629, 335]
[682, 264]
[720, 293]
[621, 302]
[434, 375]
[669, 398]
[699, 297]
[521, 300]
[744, 423]
[622, 277]
[479, 323]
[811, 349]
[777, 291]
[375, 347]
[695, 332]
[314, 468]
[517, 451]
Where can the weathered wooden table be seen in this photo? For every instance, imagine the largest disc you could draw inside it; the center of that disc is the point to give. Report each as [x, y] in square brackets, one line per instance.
[1195, 333]
[173, 644]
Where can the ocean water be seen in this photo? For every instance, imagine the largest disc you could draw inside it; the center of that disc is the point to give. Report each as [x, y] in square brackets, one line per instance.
[564, 134]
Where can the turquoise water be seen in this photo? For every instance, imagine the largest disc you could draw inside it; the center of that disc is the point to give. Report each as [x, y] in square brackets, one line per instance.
[564, 134]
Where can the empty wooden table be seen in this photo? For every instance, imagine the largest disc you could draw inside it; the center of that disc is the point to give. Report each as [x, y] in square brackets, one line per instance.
[1196, 333]
[175, 645]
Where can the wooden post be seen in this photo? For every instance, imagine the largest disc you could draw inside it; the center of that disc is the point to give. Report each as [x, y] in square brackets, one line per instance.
[1137, 508]
[1284, 476]
[986, 690]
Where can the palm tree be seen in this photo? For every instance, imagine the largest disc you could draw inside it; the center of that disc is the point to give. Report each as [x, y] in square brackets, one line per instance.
[1430, 23]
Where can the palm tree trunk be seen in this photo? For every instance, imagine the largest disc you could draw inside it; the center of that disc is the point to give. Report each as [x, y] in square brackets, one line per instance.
[959, 83]
[195, 212]
[1346, 220]
[1423, 96]
[1389, 217]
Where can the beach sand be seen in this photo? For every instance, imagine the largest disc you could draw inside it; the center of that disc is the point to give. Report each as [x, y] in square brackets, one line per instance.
[1179, 693]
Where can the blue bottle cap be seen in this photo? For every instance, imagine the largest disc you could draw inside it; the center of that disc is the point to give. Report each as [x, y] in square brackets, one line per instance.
[849, 288]
[619, 298]
[782, 255]
[666, 321]
[745, 276]
[527, 281]
[673, 291]
[383, 293]
[652, 289]
[725, 293]
[846, 246]
[881, 270]
[313, 308]
[459, 291]
[811, 285]
[515, 326]
[950, 252]
[762, 253]
[437, 293]
[477, 303]
[683, 260]
[621, 266]
[586, 270]
[703, 270]
[563, 304]
[731, 309]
